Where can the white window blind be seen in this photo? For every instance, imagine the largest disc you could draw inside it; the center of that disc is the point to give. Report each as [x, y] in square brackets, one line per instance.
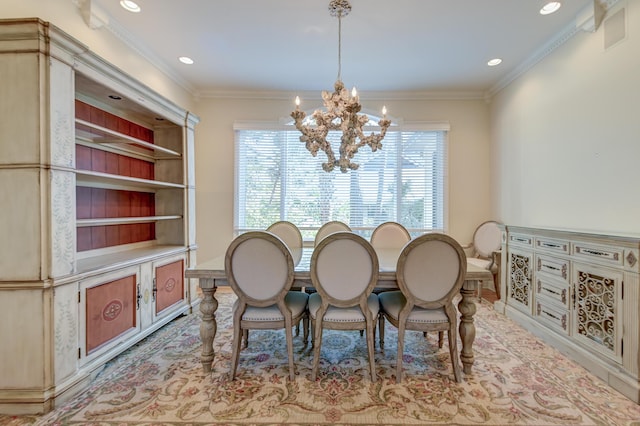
[278, 179]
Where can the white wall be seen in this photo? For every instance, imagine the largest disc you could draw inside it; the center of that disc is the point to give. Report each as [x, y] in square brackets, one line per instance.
[469, 188]
[566, 136]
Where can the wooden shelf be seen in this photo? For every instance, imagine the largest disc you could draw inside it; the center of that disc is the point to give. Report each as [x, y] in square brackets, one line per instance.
[123, 220]
[102, 136]
[101, 261]
[106, 180]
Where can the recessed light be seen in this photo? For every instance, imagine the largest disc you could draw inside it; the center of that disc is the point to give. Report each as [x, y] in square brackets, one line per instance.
[550, 7]
[129, 5]
[185, 60]
[494, 62]
[115, 97]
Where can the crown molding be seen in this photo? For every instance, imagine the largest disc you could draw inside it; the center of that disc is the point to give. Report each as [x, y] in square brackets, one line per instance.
[316, 95]
[97, 18]
[587, 20]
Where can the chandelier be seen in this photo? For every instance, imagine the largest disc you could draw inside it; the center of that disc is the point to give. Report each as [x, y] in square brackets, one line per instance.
[341, 114]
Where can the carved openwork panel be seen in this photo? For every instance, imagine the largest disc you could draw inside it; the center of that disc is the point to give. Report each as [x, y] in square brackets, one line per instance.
[520, 278]
[596, 308]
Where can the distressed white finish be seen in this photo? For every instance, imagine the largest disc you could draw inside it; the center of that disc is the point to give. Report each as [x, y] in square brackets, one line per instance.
[579, 292]
[43, 279]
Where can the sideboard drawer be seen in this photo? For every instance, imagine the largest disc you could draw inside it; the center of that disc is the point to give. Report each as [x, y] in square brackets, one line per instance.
[551, 266]
[522, 240]
[554, 291]
[556, 318]
[552, 245]
[606, 255]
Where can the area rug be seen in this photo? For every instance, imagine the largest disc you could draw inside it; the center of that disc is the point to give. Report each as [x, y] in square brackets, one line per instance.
[516, 380]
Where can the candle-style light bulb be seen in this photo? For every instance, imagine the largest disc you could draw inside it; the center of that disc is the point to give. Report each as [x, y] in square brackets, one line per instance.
[384, 111]
[354, 93]
[297, 102]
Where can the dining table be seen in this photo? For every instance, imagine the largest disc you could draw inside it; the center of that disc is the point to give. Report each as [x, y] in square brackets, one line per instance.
[211, 275]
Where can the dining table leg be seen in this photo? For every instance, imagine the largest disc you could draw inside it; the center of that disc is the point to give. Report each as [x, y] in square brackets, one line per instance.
[208, 325]
[467, 308]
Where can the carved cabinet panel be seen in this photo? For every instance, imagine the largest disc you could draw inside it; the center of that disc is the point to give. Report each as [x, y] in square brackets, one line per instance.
[520, 282]
[597, 309]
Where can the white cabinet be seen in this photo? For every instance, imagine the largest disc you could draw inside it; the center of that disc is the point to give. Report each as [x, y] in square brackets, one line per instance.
[98, 195]
[583, 290]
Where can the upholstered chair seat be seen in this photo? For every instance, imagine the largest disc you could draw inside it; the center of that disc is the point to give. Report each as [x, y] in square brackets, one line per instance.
[346, 315]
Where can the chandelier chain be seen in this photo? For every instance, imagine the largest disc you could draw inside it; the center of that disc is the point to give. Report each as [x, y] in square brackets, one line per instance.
[339, 46]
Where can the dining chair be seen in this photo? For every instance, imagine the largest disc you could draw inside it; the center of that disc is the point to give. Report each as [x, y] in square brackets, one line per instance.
[390, 235]
[290, 234]
[259, 269]
[329, 228]
[344, 271]
[430, 272]
[487, 240]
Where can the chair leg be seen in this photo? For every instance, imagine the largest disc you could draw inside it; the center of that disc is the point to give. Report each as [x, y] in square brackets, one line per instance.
[400, 352]
[316, 348]
[496, 285]
[305, 331]
[370, 343]
[381, 330]
[292, 371]
[440, 339]
[245, 338]
[237, 341]
[453, 352]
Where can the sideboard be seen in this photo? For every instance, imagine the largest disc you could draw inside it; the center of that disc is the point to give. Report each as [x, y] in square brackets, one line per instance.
[579, 292]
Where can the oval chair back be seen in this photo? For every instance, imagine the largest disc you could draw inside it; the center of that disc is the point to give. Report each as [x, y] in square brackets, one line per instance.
[291, 235]
[431, 270]
[330, 228]
[390, 235]
[259, 268]
[487, 239]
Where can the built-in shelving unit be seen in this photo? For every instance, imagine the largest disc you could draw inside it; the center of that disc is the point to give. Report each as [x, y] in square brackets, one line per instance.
[98, 169]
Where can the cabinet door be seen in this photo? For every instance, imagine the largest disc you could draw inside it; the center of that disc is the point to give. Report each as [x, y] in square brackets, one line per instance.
[109, 309]
[597, 314]
[520, 280]
[169, 285]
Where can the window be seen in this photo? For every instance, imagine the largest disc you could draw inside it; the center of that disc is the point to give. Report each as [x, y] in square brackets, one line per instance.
[278, 179]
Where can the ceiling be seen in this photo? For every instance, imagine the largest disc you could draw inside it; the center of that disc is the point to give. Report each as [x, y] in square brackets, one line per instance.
[292, 45]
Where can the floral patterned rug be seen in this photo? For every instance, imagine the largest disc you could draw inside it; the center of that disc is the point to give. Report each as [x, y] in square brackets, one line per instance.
[516, 379]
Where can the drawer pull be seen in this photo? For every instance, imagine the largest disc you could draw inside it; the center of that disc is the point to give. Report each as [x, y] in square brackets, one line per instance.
[553, 291]
[550, 245]
[521, 240]
[604, 254]
[595, 252]
[549, 314]
[552, 267]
